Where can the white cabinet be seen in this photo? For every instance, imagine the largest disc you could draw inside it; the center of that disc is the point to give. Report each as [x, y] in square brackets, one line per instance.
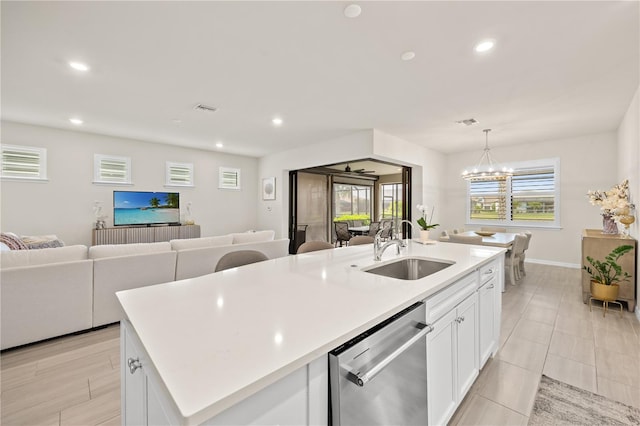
[141, 404]
[452, 347]
[299, 398]
[489, 310]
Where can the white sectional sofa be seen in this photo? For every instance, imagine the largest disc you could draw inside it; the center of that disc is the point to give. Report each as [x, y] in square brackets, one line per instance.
[55, 291]
[45, 293]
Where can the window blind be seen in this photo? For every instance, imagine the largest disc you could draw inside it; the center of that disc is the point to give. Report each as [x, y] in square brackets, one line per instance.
[23, 162]
[108, 169]
[179, 174]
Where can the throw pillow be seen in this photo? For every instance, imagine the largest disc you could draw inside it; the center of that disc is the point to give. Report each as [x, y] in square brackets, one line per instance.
[12, 241]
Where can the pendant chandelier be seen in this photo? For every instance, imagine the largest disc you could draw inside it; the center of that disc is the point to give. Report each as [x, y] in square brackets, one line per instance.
[485, 169]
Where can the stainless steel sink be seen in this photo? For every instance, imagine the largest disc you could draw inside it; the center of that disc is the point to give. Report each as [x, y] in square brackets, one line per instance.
[409, 268]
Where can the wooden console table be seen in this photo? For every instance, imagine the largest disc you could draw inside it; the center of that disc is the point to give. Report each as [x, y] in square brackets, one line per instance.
[598, 246]
[147, 234]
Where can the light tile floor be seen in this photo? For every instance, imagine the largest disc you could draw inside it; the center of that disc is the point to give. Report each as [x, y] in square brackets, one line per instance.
[75, 380]
[546, 329]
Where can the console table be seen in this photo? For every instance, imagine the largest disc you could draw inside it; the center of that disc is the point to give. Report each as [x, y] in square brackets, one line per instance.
[598, 246]
[147, 234]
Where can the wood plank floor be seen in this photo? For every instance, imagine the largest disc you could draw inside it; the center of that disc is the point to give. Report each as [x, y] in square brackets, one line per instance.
[546, 328]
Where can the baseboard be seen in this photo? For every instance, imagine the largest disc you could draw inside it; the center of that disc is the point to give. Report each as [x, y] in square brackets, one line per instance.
[553, 263]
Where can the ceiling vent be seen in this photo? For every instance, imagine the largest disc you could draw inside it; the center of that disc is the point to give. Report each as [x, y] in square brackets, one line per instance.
[206, 108]
[467, 122]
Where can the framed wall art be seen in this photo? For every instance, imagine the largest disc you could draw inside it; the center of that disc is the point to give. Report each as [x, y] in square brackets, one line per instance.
[269, 188]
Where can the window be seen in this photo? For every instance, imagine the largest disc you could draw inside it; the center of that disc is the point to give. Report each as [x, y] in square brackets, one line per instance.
[229, 178]
[112, 170]
[24, 162]
[531, 197]
[391, 200]
[179, 174]
[351, 202]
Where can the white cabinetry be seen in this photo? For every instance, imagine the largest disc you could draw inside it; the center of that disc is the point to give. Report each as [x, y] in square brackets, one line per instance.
[452, 347]
[489, 308]
[298, 398]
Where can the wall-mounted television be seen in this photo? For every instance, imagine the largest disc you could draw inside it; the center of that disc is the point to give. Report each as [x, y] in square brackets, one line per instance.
[137, 208]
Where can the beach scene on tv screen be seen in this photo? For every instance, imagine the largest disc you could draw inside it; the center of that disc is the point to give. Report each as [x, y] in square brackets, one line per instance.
[143, 208]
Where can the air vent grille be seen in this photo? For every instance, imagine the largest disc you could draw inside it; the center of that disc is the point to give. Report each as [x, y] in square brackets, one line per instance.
[467, 122]
[206, 108]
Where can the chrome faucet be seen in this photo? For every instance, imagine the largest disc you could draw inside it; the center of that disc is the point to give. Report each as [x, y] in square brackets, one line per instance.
[379, 248]
[410, 224]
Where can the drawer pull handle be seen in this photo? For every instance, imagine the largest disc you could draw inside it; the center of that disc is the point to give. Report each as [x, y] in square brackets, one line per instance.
[134, 364]
[489, 271]
[490, 287]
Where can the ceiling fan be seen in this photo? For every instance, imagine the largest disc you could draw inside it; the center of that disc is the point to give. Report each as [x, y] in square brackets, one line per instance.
[357, 171]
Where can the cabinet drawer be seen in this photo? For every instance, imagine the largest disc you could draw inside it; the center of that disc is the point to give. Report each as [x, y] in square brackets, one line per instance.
[488, 271]
[447, 299]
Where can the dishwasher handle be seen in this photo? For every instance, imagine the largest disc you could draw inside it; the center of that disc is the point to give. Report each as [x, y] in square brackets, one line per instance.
[361, 378]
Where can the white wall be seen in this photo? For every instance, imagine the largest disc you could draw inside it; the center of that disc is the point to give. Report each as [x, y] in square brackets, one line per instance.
[629, 164]
[64, 205]
[586, 162]
[427, 169]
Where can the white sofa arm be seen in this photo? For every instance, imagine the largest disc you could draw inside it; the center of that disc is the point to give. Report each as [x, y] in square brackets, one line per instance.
[112, 274]
[43, 301]
[201, 261]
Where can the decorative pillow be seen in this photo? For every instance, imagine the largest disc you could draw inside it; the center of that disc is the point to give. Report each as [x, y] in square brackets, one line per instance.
[12, 241]
[41, 241]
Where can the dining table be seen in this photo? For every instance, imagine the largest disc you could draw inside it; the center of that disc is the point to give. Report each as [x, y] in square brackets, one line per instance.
[359, 230]
[498, 239]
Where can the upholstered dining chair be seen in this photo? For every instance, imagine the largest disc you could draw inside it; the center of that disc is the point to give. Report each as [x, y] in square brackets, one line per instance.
[512, 260]
[374, 227]
[524, 252]
[387, 229]
[361, 239]
[465, 239]
[310, 246]
[238, 258]
[342, 233]
[492, 229]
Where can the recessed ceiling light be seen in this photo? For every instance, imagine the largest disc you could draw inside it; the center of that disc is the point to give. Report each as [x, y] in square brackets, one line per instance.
[352, 11]
[76, 121]
[408, 55]
[219, 145]
[79, 66]
[277, 121]
[484, 46]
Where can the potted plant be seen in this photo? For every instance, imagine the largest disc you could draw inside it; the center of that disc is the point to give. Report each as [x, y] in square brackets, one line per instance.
[607, 274]
[425, 225]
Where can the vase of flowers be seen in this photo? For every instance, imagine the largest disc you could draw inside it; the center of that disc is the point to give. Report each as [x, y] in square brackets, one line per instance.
[425, 222]
[614, 204]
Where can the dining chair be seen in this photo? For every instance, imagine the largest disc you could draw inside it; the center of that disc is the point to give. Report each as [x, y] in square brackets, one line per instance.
[360, 239]
[374, 227]
[342, 233]
[387, 228]
[444, 236]
[238, 258]
[513, 258]
[356, 223]
[524, 252]
[310, 246]
[492, 229]
[465, 239]
[457, 231]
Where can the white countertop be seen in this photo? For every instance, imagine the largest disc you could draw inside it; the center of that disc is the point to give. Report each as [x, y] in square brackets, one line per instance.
[218, 338]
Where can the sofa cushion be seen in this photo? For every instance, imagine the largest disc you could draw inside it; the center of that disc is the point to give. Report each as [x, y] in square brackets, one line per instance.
[12, 241]
[253, 237]
[223, 240]
[15, 258]
[113, 250]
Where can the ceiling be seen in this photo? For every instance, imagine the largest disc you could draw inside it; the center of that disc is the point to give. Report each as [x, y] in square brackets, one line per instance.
[558, 69]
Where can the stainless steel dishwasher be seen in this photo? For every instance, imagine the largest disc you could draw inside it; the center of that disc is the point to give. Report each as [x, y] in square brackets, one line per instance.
[380, 377]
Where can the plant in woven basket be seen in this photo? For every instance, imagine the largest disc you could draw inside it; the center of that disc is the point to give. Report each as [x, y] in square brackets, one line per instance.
[608, 272]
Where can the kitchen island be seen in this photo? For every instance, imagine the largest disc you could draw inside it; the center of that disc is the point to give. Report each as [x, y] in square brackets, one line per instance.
[210, 344]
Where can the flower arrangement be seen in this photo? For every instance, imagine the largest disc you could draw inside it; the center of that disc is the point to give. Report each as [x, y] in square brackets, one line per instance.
[423, 222]
[614, 202]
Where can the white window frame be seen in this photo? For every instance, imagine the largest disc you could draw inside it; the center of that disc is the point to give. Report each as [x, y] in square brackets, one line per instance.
[97, 168]
[170, 165]
[221, 178]
[555, 224]
[41, 174]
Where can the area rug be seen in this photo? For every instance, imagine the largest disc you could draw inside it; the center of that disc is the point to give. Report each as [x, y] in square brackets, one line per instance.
[558, 403]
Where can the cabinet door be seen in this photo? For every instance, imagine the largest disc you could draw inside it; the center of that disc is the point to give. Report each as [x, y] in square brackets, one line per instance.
[134, 389]
[467, 344]
[487, 320]
[441, 358]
